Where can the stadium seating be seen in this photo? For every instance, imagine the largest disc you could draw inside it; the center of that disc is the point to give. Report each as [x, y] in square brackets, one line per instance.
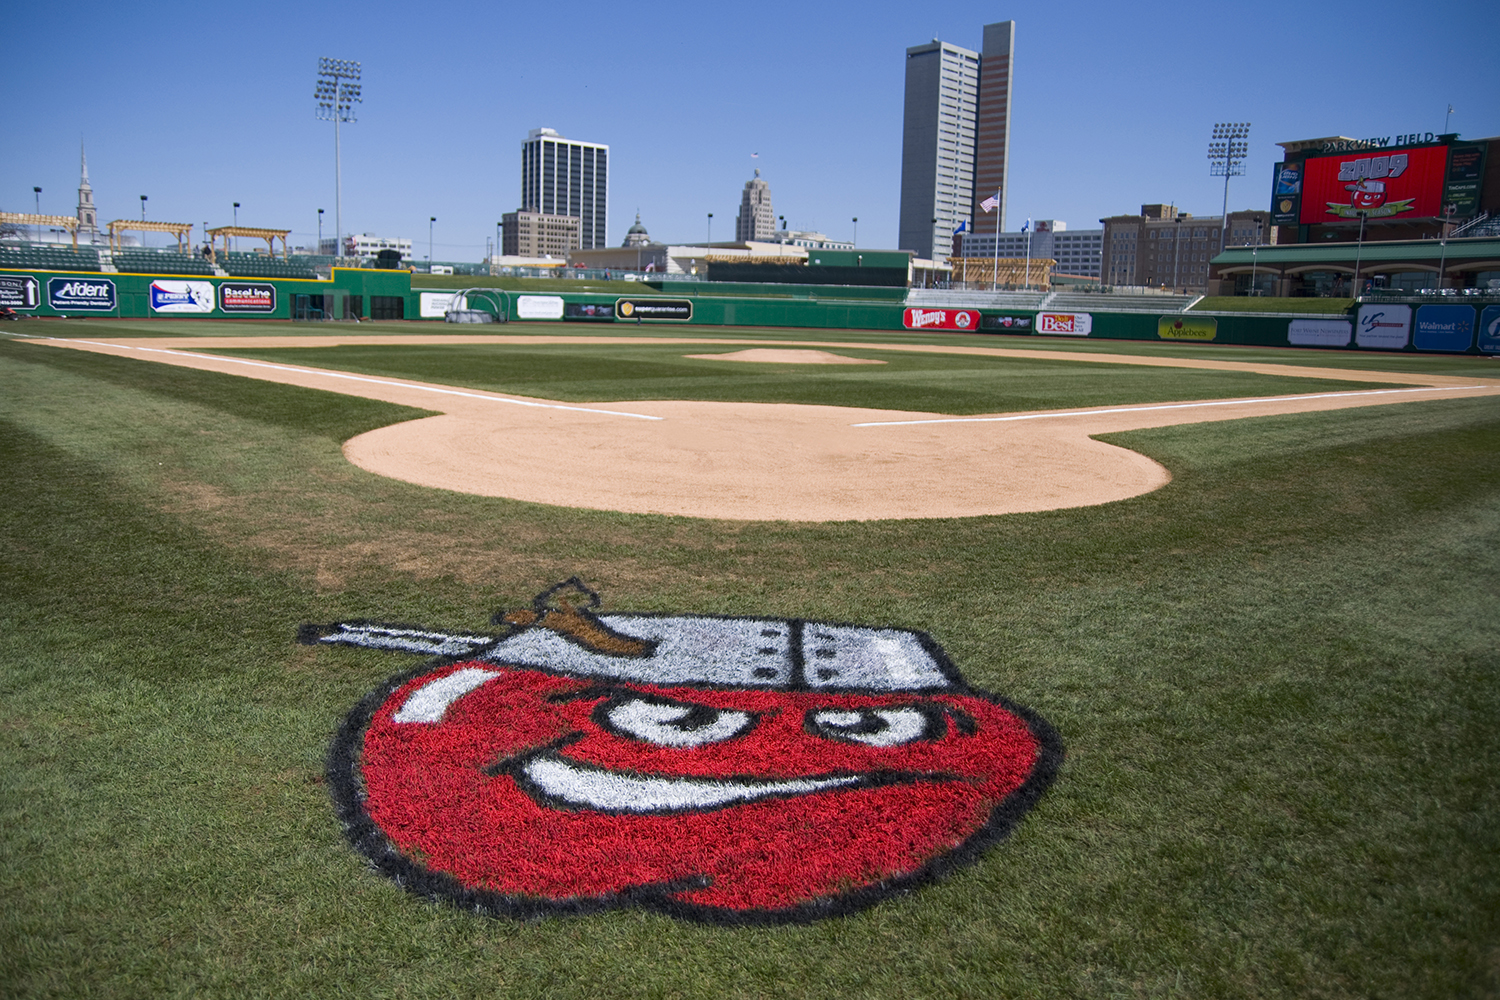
[49, 257]
[251, 265]
[1120, 302]
[946, 298]
[153, 262]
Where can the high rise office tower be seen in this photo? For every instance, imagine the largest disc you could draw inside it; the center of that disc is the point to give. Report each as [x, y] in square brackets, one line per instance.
[937, 146]
[563, 177]
[955, 140]
[756, 219]
[992, 131]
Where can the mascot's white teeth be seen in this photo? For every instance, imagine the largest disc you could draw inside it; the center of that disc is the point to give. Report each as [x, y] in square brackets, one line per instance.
[584, 786]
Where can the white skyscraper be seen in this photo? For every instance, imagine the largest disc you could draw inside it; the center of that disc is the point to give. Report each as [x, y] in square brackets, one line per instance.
[757, 220]
[563, 177]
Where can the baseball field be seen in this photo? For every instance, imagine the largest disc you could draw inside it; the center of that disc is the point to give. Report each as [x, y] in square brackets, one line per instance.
[1252, 593]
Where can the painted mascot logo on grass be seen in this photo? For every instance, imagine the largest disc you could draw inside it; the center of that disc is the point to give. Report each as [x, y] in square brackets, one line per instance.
[719, 769]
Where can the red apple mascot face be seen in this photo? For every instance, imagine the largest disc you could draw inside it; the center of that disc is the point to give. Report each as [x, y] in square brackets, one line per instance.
[721, 769]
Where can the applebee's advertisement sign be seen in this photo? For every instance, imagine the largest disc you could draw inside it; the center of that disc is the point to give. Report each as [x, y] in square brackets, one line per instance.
[941, 319]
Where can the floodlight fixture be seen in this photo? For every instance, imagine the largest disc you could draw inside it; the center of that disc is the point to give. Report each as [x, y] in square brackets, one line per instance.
[337, 91]
[1227, 151]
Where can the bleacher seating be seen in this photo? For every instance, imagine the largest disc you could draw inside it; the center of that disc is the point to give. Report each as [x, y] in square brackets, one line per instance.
[155, 262]
[954, 298]
[252, 265]
[48, 257]
[1119, 302]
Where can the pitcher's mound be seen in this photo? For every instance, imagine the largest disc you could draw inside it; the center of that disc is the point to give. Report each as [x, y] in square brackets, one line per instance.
[779, 356]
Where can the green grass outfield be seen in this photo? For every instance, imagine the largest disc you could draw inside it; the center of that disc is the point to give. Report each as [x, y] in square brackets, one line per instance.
[1276, 680]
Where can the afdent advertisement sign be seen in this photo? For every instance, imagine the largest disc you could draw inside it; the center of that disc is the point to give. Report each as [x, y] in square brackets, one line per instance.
[81, 294]
[1405, 183]
[941, 319]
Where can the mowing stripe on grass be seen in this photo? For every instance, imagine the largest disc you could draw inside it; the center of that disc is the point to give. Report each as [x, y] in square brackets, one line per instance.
[1159, 406]
[361, 378]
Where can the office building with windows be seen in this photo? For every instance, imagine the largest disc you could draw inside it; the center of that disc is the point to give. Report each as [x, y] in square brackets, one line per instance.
[955, 141]
[757, 220]
[561, 176]
[1164, 248]
[1076, 251]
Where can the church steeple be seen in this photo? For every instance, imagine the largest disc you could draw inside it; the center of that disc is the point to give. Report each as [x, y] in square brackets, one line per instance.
[88, 216]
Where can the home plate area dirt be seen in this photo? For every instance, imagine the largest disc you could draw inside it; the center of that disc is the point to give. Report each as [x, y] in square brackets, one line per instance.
[764, 461]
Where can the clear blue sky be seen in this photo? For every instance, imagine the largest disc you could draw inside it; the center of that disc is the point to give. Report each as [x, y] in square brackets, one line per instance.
[199, 106]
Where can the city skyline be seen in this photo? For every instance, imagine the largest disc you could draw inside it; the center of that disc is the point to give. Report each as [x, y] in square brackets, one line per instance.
[1101, 119]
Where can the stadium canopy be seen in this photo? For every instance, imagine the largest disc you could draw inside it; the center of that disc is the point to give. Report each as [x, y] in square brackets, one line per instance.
[177, 229]
[27, 219]
[269, 235]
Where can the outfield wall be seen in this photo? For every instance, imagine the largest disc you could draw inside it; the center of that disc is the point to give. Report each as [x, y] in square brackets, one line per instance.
[1451, 327]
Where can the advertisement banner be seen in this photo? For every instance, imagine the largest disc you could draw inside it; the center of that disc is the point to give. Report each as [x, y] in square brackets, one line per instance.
[1319, 332]
[1006, 323]
[941, 319]
[81, 294]
[247, 297]
[589, 311]
[1489, 330]
[676, 310]
[539, 307]
[1443, 328]
[20, 291]
[1384, 326]
[1465, 174]
[1187, 327]
[168, 296]
[435, 305]
[1066, 324]
[1405, 184]
[1286, 194]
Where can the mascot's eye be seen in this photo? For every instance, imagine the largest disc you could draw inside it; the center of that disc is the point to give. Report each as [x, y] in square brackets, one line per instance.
[876, 727]
[671, 724]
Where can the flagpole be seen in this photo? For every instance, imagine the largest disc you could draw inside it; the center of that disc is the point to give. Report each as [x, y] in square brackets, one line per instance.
[995, 272]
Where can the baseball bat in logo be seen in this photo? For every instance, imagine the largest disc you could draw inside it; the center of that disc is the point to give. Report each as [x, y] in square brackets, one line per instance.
[246, 297]
[81, 294]
[730, 770]
[182, 296]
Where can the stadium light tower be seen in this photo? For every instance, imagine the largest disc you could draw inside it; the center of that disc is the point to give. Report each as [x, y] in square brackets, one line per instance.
[1226, 158]
[337, 92]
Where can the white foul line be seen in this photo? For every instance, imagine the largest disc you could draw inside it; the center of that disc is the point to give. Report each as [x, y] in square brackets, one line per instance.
[355, 378]
[1162, 406]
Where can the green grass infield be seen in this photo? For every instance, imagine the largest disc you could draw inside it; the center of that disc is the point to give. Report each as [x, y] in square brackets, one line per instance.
[1275, 678]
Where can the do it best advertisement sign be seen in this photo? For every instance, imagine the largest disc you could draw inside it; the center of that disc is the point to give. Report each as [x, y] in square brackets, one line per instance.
[1406, 183]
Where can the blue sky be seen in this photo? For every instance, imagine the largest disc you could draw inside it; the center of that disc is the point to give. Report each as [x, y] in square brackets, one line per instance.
[198, 106]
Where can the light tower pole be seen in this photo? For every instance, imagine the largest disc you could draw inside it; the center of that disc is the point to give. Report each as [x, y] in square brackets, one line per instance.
[1226, 158]
[338, 90]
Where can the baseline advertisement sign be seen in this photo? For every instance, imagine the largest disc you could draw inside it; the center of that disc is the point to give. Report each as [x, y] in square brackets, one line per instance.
[247, 297]
[435, 305]
[941, 319]
[674, 310]
[1444, 328]
[1187, 327]
[1374, 183]
[20, 291]
[1286, 194]
[1383, 326]
[1319, 332]
[81, 294]
[168, 296]
[1489, 330]
[539, 307]
[1006, 323]
[1066, 324]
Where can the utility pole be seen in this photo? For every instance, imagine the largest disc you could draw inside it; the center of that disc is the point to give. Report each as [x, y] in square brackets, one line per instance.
[1226, 158]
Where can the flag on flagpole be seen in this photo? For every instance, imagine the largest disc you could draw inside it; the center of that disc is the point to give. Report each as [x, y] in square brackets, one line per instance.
[754, 156]
[962, 227]
[989, 203]
[1027, 226]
